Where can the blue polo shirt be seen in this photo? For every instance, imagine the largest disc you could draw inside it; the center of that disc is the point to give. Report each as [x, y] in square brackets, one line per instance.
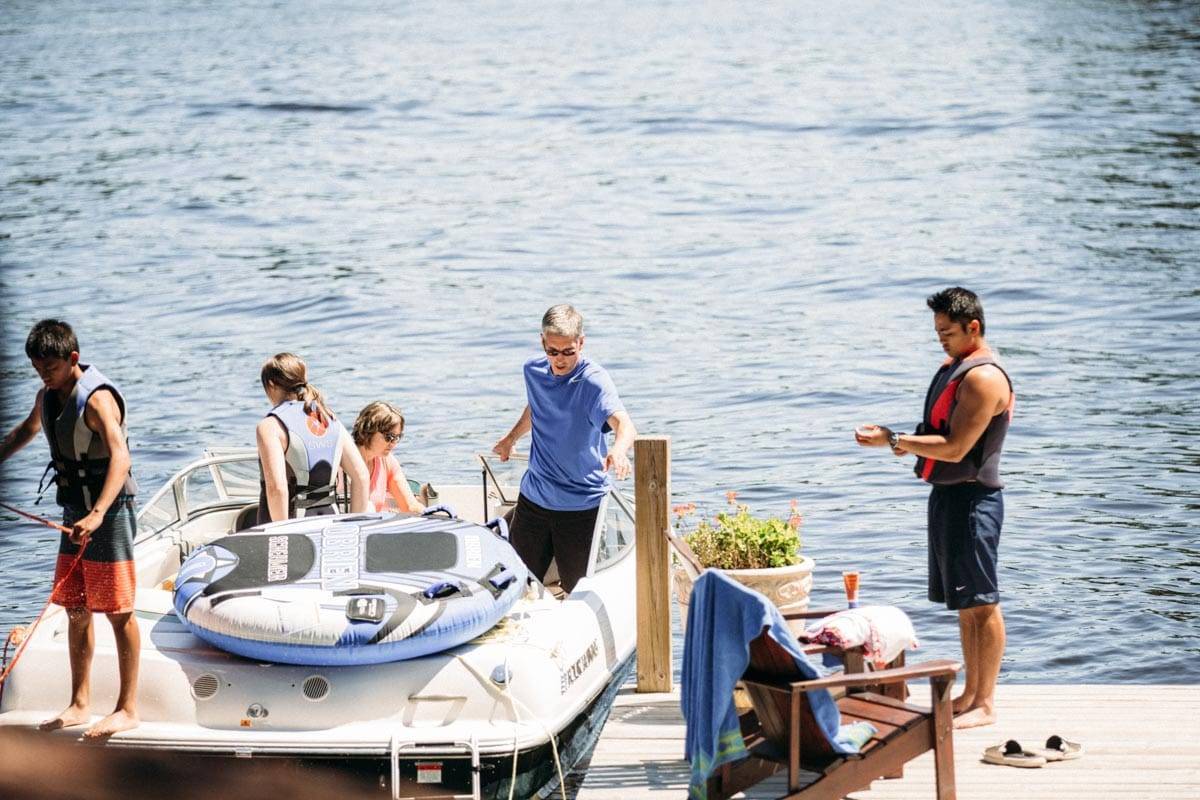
[570, 417]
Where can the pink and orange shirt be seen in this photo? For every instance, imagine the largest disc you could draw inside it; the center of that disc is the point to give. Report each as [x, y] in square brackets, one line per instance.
[387, 478]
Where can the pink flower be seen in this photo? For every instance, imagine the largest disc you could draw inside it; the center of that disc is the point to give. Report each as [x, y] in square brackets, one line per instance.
[731, 497]
[683, 509]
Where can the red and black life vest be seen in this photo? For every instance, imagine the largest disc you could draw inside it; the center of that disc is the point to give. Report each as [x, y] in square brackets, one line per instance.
[982, 462]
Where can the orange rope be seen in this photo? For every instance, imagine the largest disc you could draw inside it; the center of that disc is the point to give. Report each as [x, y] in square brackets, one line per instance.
[28, 632]
[36, 518]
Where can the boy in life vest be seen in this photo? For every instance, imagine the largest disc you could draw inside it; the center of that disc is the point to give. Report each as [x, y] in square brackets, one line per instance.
[82, 414]
[967, 412]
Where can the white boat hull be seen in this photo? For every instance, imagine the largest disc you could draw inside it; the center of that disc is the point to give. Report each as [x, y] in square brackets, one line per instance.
[540, 676]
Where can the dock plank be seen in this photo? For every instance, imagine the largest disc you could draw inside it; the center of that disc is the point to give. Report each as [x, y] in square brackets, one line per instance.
[1139, 741]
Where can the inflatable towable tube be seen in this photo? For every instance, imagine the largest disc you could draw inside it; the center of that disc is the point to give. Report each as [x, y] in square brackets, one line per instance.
[360, 589]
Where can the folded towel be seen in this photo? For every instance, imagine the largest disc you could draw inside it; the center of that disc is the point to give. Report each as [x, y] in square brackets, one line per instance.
[883, 632]
[856, 734]
[723, 618]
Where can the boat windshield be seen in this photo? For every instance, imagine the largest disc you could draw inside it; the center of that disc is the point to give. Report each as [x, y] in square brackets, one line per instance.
[219, 479]
[615, 534]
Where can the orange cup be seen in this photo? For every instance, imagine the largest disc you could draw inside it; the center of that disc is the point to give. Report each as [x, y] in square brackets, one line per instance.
[850, 581]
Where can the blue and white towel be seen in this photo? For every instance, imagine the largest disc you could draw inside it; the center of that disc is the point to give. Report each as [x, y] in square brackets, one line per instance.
[723, 618]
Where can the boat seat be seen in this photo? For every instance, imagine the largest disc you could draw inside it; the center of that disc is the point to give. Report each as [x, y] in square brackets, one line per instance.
[246, 518]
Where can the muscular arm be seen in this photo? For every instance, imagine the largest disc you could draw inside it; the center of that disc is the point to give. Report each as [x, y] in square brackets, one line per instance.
[272, 442]
[524, 425]
[625, 432]
[360, 478]
[24, 432]
[103, 416]
[983, 394]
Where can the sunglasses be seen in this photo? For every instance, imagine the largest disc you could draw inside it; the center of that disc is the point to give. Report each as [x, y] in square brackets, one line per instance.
[550, 351]
[391, 438]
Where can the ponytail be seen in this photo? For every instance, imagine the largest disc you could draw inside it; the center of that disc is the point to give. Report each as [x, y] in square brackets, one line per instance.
[314, 402]
[289, 372]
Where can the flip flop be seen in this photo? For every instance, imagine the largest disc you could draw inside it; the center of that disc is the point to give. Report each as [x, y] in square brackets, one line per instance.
[1059, 749]
[1011, 754]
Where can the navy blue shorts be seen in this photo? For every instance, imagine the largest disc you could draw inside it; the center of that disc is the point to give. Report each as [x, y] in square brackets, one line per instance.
[964, 544]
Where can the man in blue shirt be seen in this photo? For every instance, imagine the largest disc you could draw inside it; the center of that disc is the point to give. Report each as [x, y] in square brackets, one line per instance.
[572, 404]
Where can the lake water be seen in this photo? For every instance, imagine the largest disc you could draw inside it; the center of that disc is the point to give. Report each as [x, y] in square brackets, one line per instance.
[749, 204]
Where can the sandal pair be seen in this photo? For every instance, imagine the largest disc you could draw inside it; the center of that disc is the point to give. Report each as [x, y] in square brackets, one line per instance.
[1011, 754]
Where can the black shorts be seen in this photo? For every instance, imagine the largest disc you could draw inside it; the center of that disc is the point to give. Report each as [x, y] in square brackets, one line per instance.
[540, 534]
[964, 544]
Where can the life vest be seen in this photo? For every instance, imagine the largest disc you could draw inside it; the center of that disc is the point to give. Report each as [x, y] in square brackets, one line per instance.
[78, 455]
[982, 462]
[314, 450]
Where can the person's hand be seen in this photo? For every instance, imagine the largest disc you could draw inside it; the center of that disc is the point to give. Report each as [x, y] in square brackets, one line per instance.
[618, 464]
[85, 527]
[871, 435]
[503, 448]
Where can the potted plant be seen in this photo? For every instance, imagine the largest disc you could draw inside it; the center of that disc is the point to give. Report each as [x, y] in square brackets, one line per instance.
[762, 553]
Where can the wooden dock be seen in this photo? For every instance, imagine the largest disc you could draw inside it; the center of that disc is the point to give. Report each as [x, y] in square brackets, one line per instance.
[1139, 742]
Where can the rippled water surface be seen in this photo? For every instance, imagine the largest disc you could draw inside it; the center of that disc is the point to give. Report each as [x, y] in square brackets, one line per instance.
[749, 205]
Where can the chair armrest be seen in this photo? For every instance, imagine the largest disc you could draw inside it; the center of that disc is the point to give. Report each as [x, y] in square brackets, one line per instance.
[813, 649]
[690, 562]
[926, 669]
[820, 613]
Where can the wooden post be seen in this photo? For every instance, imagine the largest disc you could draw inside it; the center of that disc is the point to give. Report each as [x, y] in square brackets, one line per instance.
[652, 495]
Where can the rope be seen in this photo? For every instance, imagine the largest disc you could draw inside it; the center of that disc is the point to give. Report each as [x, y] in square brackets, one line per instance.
[17, 634]
[36, 518]
[37, 621]
[513, 702]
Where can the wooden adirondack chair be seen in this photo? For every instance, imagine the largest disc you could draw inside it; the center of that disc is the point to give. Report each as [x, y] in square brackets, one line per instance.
[853, 659]
[781, 732]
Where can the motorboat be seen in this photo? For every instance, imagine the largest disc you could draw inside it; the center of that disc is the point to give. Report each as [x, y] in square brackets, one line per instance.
[506, 714]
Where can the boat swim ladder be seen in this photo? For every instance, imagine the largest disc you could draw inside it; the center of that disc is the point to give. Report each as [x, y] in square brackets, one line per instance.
[470, 747]
[503, 693]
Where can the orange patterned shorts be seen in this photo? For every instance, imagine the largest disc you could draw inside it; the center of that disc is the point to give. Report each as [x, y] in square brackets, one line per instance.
[104, 581]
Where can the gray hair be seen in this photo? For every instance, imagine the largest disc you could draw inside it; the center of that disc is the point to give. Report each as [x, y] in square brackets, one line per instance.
[563, 320]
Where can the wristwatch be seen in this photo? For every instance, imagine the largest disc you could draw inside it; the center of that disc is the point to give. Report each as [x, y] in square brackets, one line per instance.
[893, 439]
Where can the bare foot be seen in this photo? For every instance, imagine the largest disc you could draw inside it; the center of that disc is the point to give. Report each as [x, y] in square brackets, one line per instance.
[114, 723]
[963, 703]
[72, 715]
[975, 718]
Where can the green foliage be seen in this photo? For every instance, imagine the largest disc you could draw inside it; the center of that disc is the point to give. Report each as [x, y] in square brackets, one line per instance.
[738, 540]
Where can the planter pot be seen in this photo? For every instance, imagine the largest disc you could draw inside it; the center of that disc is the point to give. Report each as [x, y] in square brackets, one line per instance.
[786, 587]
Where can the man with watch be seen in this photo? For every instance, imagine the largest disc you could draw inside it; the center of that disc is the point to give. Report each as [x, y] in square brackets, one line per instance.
[967, 412]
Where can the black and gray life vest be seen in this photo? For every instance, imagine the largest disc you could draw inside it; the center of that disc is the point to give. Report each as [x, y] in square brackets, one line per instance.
[78, 455]
[314, 450]
[982, 462]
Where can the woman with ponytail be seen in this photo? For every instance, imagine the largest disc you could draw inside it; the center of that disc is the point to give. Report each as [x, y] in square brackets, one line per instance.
[300, 447]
